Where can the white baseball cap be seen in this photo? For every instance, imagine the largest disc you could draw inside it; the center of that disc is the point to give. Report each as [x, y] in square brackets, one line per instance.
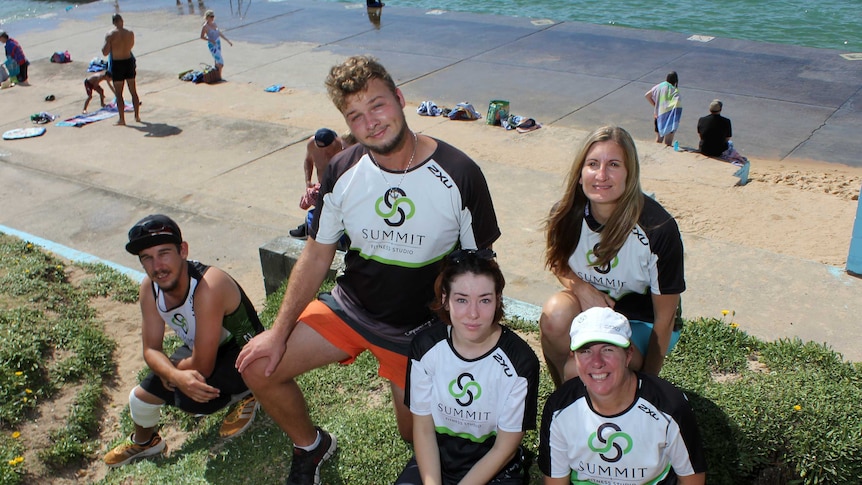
[600, 324]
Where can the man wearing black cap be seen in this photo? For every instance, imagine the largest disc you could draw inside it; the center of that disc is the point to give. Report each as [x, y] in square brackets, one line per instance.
[213, 317]
[319, 150]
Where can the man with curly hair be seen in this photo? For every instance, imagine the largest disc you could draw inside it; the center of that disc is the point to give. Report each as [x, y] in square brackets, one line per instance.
[405, 201]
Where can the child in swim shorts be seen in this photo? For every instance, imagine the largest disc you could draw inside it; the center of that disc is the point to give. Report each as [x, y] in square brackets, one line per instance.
[92, 83]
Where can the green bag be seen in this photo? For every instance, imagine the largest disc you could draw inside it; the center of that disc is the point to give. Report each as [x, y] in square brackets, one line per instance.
[498, 110]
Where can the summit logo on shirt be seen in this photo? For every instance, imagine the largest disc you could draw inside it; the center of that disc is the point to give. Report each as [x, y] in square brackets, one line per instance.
[465, 389]
[394, 207]
[593, 259]
[610, 442]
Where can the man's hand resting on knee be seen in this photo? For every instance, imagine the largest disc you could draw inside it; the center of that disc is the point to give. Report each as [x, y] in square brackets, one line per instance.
[267, 345]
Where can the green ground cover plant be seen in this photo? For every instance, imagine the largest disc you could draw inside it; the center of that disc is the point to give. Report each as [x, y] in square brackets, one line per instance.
[782, 412]
[51, 344]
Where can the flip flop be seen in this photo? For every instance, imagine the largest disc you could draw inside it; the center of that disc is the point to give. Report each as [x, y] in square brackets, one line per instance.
[50, 97]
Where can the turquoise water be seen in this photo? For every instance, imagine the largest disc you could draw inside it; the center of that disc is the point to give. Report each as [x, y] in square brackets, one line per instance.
[11, 10]
[829, 24]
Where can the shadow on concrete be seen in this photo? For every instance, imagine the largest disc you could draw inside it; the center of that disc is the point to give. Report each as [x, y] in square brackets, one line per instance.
[158, 130]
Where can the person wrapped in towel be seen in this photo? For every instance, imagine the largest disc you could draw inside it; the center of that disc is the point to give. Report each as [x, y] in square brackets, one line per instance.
[668, 108]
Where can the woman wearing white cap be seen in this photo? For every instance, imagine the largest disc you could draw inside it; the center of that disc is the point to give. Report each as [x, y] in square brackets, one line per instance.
[612, 246]
[613, 425]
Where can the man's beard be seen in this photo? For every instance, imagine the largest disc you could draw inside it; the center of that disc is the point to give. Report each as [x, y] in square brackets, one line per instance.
[388, 148]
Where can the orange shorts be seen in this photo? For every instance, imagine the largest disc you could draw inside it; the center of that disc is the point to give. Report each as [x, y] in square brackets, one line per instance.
[391, 365]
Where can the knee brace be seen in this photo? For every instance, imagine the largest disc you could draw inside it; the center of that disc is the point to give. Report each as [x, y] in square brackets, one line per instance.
[144, 414]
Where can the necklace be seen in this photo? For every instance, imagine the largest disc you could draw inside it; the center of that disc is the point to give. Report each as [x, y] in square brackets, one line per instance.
[395, 190]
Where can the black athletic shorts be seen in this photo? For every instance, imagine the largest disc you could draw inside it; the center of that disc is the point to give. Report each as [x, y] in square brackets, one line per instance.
[224, 377]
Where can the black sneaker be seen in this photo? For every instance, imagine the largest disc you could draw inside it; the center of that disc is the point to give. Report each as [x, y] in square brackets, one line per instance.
[301, 232]
[305, 468]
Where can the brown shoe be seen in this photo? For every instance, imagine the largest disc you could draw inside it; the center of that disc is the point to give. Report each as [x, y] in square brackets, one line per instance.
[239, 418]
[131, 451]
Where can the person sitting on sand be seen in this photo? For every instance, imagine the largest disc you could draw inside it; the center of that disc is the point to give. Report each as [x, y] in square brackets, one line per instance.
[93, 83]
[715, 132]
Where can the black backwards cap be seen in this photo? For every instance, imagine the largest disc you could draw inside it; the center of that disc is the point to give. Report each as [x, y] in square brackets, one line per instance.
[324, 137]
[153, 230]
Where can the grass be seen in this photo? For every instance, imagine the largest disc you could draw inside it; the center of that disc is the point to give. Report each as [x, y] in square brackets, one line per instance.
[51, 344]
[769, 412]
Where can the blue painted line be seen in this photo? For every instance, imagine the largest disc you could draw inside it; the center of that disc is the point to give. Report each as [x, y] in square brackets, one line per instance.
[71, 254]
[521, 309]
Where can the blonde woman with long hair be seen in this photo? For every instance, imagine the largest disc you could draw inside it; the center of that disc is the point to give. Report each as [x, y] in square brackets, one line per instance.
[611, 246]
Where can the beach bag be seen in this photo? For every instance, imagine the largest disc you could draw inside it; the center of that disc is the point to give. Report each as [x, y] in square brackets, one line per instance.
[498, 111]
[61, 57]
[211, 74]
[12, 67]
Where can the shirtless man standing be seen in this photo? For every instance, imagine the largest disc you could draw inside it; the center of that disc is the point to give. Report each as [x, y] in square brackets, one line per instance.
[118, 46]
[319, 150]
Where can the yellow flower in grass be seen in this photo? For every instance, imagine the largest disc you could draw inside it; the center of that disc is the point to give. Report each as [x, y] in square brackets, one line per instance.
[11, 462]
[16, 434]
[797, 408]
[28, 391]
[19, 459]
[19, 373]
[24, 398]
[733, 324]
[725, 312]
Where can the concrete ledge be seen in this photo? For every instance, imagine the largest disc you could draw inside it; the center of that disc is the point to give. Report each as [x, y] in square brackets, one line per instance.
[277, 258]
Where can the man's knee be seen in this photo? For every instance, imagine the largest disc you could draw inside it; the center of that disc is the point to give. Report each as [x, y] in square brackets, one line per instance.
[258, 381]
[253, 375]
[144, 414]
